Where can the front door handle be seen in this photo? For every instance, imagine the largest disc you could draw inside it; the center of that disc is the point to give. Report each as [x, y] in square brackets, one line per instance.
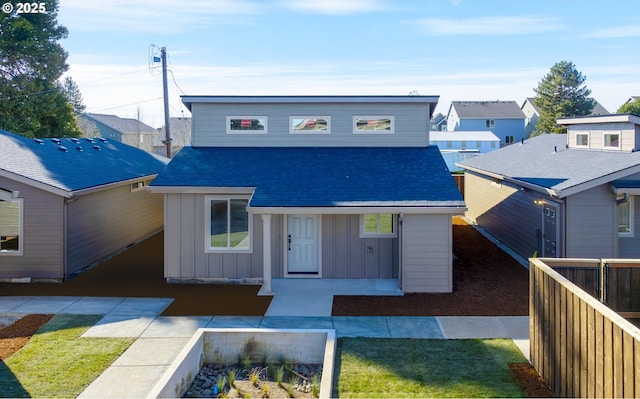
[289, 242]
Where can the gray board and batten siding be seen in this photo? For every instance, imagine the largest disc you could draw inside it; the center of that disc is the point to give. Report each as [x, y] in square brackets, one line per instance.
[505, 211]
[411, 125]
[42, 239]
[104, 222]
[344, 253]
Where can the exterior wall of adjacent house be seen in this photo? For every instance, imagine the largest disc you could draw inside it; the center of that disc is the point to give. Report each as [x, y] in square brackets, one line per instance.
[344, 254]
[104, 222]
[502, 128]
[629, 133]
[43, 238]
[411, 125]
[426, 253]
[629, 247]
[531, 118]
[591, 222]
[506, 211]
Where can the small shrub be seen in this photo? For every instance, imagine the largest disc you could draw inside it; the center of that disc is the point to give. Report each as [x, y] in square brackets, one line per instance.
[279, 375]
[231, 376]
[265, 391]
[315, 386]
[221, 384]
[254, 376]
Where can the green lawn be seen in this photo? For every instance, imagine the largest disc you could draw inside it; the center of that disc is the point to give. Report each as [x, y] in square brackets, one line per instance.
[57, 362]
[419, 368]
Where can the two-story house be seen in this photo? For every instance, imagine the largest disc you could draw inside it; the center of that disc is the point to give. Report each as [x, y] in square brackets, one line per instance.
[563, 195]
[503, 118]
[333, 187]
[460, 145]
[125, 130]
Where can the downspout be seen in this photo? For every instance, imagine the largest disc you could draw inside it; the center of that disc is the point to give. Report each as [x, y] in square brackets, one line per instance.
[625, 198]
[400, 251]
[65, 224]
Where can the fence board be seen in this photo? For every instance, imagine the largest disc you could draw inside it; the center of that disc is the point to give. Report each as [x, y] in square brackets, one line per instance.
[580, 347]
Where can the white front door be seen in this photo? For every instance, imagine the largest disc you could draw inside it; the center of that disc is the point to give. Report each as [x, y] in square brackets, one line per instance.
[302, 244]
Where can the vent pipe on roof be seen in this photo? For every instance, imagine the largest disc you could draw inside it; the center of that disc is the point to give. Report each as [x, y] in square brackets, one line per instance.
[63, 148]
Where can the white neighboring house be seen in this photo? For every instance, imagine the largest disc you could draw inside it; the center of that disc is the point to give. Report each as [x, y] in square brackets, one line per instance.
[456, 146]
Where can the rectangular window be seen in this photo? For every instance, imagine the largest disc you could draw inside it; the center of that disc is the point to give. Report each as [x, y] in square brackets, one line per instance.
[227, 224]
[582, 140]
[625, 217]
[373, 124]
[310, 125]
[11, 225]
[463, 144]
[377, 225]
[509, 140]
[611, 141]
[246, 124]
[490, 123]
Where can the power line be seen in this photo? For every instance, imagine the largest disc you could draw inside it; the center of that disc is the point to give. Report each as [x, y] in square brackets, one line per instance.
[126, 105]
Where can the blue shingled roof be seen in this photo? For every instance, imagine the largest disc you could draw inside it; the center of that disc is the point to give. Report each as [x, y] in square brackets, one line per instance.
[319, 177]
[80, 167]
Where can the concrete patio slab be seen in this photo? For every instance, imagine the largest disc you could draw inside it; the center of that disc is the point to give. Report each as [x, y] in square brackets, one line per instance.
[151, 352]
[423, 327]
[235, 322]
[93, 305]
[125, 382]
[175, 326]
[141, 307]
[119, 326]
[515, 326]
[297, 322]
[460, 327]
[298, 303]
[45, 304]
[361, 326]
[9, 303]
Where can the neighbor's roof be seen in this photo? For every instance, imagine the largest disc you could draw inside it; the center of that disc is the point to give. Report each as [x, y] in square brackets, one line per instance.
[613, 118]
[319, 177]
[86, 163]
[487, 109]
[122, 125]
[544, 162]
[598, 109]
[462, 135]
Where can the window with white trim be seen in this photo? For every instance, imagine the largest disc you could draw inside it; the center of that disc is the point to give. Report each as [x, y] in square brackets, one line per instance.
[582, 139]
[310, 125]
[227, 224]
[490, 123]
[373, 124]
[247, 124]
[611, 141]
[378, 225]
[11, 224]
[625, 217]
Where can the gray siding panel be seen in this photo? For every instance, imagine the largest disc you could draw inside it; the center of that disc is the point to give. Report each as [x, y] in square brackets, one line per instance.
[427, 260]
[209, 128]
[104, 222]
[592, 224]
[43, 238]
[506, 212]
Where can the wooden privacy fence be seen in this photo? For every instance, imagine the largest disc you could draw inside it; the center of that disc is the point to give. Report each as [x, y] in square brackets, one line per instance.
[579, 346]
[459, 179]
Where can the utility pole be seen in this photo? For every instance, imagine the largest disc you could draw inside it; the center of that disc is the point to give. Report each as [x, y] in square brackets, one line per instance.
[167, 137]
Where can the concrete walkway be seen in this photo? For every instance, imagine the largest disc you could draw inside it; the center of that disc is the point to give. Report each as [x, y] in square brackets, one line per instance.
[159, 339]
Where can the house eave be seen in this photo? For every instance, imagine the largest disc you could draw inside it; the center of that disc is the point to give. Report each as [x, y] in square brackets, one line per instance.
[200, 190]
[34, 183]
[456, 208]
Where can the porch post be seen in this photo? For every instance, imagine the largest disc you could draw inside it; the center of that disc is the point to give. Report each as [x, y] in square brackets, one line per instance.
[266, 253]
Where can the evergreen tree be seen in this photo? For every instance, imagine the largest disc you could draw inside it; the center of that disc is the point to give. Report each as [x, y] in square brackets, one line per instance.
[561, 94]
[73, 95]
[32, 102]
[631, 107]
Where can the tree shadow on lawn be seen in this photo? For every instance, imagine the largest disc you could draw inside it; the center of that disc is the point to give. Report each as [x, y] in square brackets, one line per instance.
[374, 367]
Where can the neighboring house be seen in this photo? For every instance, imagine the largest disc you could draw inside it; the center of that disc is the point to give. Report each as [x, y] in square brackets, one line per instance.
[180, 130]
[338, 187]
[460, 145]
[504, 118]
[66, 204]
[438, 123]
[532, 112]
[125, 130]
[566, 195]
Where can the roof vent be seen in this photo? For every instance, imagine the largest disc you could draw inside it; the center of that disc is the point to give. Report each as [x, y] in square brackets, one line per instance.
[39, 141]
[96, 147]
[89, 139]
[57, 141]
[79, 148]
[63, 148]
[75, 140]
[102, 139]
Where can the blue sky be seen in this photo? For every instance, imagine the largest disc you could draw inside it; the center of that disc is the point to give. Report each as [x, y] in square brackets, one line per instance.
[457, 49]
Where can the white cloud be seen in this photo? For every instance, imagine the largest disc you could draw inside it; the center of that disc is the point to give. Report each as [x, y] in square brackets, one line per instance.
[335, 6]
[616, 32]
[489, 25]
